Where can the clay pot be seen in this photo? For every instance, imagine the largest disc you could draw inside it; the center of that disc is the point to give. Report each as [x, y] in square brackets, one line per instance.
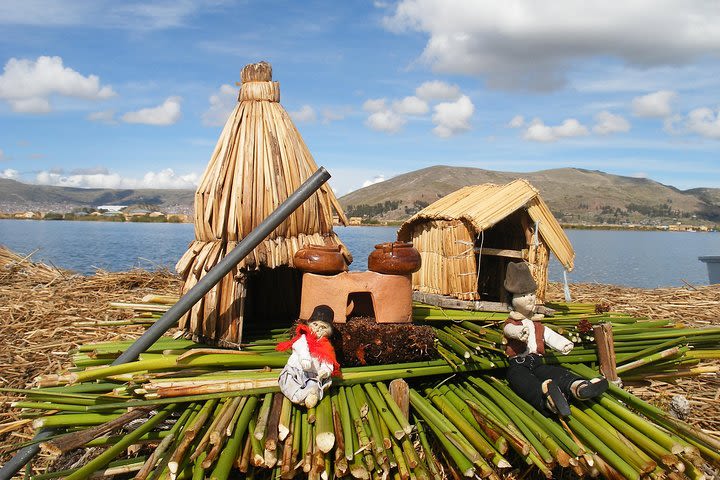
[396, 258]
[320, 259]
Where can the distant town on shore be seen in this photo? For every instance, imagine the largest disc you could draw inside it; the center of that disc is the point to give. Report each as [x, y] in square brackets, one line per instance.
[578, 198]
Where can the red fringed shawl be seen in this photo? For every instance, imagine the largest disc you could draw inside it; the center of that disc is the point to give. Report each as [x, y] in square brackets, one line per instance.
[320, 348]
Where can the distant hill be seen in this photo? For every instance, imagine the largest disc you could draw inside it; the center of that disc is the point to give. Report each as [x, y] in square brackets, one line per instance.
[16, 196]
[574, 195]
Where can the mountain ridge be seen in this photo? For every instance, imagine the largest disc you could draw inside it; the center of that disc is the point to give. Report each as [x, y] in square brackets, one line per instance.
[574, 195]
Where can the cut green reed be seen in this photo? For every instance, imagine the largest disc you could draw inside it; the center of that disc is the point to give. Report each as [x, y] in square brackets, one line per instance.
[465, 411]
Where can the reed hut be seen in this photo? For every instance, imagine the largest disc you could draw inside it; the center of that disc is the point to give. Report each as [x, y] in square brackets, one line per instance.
[467, 238]
[260, 159]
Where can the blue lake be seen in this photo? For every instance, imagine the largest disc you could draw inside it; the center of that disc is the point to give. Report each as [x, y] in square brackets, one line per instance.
[629, 258]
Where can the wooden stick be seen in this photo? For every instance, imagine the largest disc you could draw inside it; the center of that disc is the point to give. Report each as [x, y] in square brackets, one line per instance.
[71, 441]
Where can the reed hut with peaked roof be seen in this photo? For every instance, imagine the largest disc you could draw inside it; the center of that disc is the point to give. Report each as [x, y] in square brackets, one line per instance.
[260, 159]
[467, 238]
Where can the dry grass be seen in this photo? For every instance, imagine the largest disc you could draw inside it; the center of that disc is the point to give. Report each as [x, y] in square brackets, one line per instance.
[694, 305]
[38, 306]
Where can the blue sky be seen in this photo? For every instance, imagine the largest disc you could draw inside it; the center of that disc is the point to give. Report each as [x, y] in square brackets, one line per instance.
[134, 94]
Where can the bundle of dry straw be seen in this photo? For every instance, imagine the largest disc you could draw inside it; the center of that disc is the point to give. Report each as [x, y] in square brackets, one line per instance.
[259, 160]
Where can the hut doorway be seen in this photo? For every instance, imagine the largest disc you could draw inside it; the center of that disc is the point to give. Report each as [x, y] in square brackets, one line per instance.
[505, 242]
[272, 298]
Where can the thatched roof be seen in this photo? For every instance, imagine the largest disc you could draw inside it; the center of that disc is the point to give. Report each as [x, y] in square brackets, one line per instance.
[260, 159]
[482, 206]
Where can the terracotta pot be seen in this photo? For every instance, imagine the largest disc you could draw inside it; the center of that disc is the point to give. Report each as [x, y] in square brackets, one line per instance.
[396, 258]
[320, 259]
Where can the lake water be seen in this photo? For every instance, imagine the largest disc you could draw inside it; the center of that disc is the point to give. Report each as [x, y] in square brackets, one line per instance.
[630, 258]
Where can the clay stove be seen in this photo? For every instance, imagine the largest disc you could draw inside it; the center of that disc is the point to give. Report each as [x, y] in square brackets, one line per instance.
[386, 289]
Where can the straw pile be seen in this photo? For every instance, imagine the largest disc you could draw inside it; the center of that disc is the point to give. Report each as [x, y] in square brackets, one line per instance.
[40, 307]
[695, 305]
[260, 159]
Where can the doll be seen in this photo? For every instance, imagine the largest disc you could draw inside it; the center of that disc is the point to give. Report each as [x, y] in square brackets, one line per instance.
[545, 387]
[307, 373]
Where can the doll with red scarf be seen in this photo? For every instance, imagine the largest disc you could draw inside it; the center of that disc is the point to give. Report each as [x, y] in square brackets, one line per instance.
[308, 371]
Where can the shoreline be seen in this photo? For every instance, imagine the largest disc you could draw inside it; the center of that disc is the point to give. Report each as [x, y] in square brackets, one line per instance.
[184, 219]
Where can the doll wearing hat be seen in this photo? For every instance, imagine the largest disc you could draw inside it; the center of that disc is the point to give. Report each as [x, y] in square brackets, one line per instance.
[307, 373]
[545, 387]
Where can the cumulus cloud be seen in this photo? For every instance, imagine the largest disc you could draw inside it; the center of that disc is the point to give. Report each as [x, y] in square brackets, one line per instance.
[10, 174]
[657, 104]
[517, 121]
[28, 84]
[411, 106]
[437, 90]
[705, 122]
[222, 104]
[374, 180]
[452, 118]
[385, 121]
[537, 131]
[374, 105]
[524, 44]
[101, 178]
[608, 123]
[306, 114]
[105, 116]
[382, 118]
[168, 113]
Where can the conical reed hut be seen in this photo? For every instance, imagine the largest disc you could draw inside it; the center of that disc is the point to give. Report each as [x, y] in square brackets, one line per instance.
[259, 160]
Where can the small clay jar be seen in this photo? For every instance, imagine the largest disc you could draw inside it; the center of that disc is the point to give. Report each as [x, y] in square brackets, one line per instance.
[395, 258]
[325, 260]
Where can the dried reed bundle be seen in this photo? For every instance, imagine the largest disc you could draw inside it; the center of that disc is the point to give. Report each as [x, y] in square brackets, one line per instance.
[259, 160]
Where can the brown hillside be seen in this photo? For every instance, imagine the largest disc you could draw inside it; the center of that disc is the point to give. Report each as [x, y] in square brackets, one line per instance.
[574, 195]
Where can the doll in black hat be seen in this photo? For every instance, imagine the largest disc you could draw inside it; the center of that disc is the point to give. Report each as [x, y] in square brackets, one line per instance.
[308, 371]
[545, 387]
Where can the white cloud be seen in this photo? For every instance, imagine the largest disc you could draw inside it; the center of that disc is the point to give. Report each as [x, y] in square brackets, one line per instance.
[705, 122]
[306, 114]
[105, 116]
[537, 131]
[10, 174]
[385, 121]
[374, 180]
[168, 113]
[101, 178]
[28, 84]
[517, 121]
[222, 104]
[411, 106]
[672, 124]
[608, 123]
[452, 118]
[657, 104]
[334, 114]
[374, 105]
[529, 44]
[437, 90]
[2, 155]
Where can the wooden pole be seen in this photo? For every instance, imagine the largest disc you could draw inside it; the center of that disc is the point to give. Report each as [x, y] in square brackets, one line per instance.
[606, 351]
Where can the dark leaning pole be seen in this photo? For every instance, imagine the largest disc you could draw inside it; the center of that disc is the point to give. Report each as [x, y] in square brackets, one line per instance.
[186, 302]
